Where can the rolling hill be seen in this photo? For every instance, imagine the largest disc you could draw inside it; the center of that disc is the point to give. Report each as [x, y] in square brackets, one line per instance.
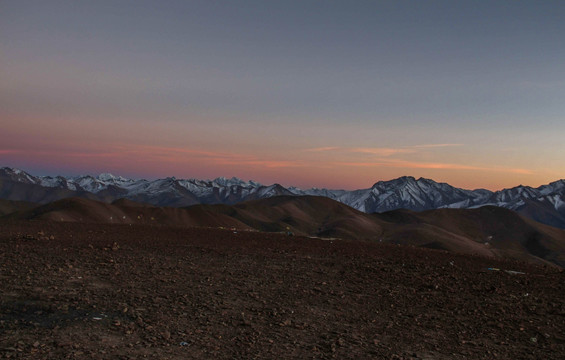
[487, 231]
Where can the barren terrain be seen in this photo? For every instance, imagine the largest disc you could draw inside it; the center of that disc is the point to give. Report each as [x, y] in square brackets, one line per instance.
[92, 291]
[488, 231]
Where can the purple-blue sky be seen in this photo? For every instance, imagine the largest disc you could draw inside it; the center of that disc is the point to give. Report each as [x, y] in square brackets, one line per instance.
[335, 94]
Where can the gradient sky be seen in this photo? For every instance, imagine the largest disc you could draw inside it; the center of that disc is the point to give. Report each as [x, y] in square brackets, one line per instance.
[336, 94]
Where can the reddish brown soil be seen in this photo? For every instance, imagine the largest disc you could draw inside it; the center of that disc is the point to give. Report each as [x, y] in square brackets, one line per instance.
[487, 231]
[87, 291]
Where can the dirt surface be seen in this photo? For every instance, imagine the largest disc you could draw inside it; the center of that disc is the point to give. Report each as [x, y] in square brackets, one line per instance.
[87, 291]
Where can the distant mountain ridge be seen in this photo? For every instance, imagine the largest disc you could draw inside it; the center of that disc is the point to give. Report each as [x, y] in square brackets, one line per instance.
[545, 204]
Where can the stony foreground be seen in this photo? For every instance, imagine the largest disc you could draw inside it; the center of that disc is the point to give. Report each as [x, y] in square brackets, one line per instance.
[86, 291]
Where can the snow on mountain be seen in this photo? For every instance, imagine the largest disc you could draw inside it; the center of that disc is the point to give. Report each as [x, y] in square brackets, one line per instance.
[552, 188]
[87, 182]
[408, 193]
[511, 195]
[18, 175]
[56, 182]
[332, 194]
[557, 201]
[225, 182]
[220, 190]
[271, 190]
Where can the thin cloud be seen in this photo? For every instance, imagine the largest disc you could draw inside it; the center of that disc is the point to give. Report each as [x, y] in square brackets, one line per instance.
[9, 151]
[323, 149]
[385, 157]
[173, 154]
[440, 166]
[382, 151]
[63, 153]
[270, 163]
[426, 146]
[88, 154]
[167, 151]
[160, 154]
[519, 171]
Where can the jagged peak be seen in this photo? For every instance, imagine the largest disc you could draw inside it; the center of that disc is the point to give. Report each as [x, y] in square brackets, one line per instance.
[560, 182]
[106, 177]
[80, 177]
[426, 180]
[13, 170]
[403, 180]
[18, 174]
[224, 181]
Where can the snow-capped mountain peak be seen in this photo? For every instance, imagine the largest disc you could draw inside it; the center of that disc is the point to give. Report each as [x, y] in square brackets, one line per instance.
[18, 175]
[222, 181]
[552, 187]
[107, 177]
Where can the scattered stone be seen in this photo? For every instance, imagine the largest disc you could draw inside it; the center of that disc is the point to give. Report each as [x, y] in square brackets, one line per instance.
[366, 304]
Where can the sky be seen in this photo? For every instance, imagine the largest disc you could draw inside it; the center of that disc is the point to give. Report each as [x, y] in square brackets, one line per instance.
[335, 94]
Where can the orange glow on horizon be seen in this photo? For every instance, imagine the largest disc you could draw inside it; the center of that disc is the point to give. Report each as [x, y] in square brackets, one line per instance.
[81, 149]
[159, 161]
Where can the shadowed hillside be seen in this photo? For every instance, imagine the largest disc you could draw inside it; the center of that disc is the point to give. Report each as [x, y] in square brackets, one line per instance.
[10, 206]
[489, 230]
[304, 215]
[17, 191]
[124, 212]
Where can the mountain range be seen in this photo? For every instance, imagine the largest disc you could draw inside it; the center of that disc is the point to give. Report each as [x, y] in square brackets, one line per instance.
[545, 204]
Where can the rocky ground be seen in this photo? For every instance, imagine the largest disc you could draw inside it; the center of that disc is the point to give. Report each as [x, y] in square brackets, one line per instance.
[87, 291]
